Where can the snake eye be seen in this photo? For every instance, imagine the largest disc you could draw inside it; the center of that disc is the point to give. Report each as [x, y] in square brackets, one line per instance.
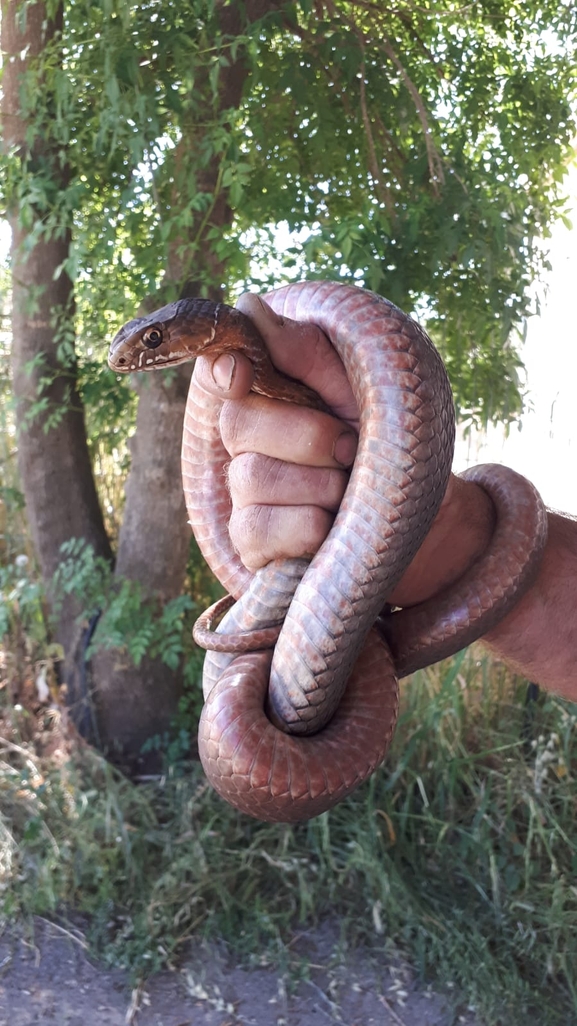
[152, 338]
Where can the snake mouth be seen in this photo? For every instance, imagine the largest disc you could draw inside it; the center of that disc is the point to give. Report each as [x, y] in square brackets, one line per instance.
[128, 358]
[118, 365]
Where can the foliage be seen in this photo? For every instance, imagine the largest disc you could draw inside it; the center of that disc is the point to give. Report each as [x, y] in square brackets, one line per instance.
[462, 850]
[127, 620]
[21, 608]
[23, 626]
[419, 149]
[435, 189]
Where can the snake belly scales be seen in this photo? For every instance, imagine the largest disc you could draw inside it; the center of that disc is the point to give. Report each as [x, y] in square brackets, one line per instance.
[330, 680]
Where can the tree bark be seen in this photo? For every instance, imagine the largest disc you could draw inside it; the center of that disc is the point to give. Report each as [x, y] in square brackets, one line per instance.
[132, 702]
[128, 704]
[53, 458]
[155, 536]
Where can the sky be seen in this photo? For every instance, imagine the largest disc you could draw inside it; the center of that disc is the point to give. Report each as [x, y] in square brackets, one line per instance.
[544, 449]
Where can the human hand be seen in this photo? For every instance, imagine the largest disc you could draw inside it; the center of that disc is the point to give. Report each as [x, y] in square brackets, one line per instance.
[289, 466]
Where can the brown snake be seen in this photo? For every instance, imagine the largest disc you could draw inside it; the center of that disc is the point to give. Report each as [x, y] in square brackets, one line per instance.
[331, 677]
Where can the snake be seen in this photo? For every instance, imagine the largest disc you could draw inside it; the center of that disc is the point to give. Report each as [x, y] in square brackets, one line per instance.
[301, 675]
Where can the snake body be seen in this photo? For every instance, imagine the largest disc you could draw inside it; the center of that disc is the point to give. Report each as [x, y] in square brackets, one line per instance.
[331, 678]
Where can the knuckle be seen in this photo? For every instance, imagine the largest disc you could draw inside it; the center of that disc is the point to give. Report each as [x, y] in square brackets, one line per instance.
[249, 530]
[244, 474]
[331, 486]
[313, 438]
[254, 478]
[232, 425]
[315, 528]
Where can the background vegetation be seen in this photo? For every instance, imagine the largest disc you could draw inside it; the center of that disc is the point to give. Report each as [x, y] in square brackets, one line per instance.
[153, 151]
[149, 153]
[460, 852]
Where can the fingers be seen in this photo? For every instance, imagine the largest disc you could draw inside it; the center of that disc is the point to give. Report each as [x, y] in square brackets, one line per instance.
[256, 480]
[288, 470]
[300, 350]
[287, 432]
[230, 376]
[304, 352]
[262, 533]
[280, 510]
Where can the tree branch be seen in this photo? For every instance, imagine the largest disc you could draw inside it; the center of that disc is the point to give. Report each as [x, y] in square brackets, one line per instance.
[381, 187]
[436, 171]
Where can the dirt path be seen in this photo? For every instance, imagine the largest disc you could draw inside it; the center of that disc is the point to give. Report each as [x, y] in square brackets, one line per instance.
[50, 980]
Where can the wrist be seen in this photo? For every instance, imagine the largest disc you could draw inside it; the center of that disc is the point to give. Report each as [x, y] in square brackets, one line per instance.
[458, 536]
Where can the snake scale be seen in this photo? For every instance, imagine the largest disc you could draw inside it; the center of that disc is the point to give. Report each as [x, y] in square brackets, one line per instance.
[301, 700]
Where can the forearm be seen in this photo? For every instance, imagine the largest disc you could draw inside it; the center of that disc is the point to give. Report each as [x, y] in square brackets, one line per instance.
[538, 638]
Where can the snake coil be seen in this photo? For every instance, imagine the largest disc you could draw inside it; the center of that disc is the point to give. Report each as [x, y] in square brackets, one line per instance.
[331, 680]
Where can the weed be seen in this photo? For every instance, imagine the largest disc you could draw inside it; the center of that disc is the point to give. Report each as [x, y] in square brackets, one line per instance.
[462, 849]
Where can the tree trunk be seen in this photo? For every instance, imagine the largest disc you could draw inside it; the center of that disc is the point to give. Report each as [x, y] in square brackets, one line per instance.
[130, 703]
[154, 537]
[53, 458]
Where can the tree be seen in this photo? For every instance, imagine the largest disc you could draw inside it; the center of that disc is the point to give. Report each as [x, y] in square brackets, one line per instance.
[55, 469]
[152, 152]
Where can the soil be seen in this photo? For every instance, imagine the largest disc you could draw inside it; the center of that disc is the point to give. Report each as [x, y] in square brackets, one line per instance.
[48, 978]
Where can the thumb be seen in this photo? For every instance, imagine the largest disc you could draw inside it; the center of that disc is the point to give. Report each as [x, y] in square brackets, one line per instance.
[228, 376]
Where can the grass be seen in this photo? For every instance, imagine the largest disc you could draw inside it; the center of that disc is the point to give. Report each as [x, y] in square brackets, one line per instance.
[462, 849]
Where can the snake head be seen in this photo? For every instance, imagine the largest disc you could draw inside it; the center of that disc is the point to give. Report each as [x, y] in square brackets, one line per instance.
[174, 334]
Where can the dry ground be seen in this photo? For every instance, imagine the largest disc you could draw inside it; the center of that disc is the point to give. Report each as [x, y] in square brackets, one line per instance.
[47, 978]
